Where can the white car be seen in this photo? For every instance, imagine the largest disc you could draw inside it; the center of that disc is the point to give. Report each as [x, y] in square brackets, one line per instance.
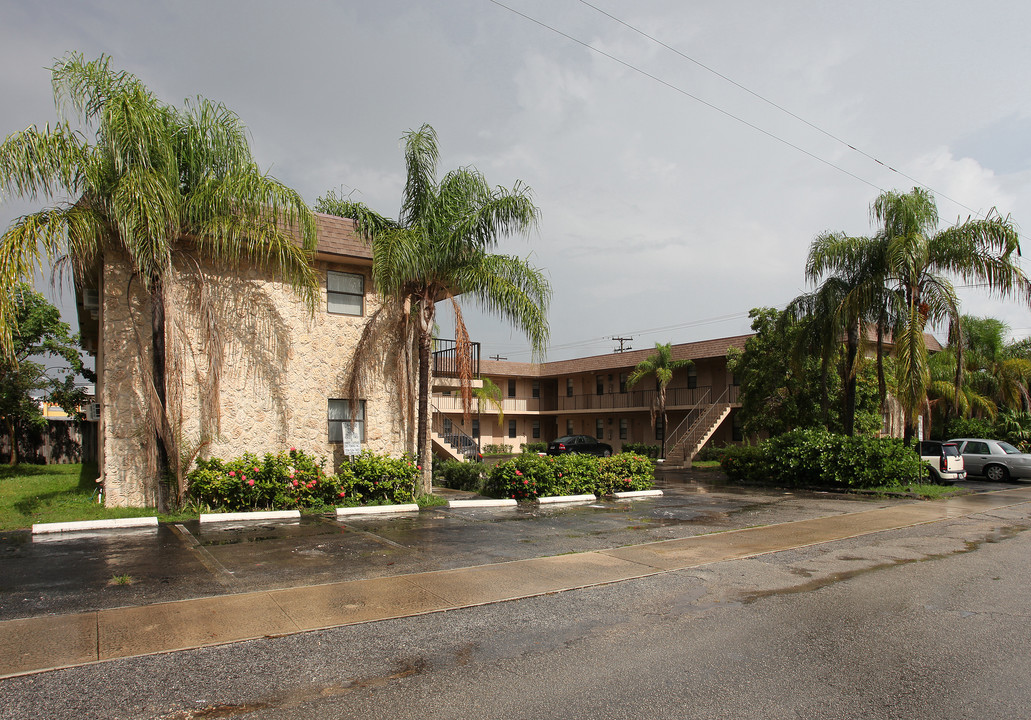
[996, 460]
[944, 462]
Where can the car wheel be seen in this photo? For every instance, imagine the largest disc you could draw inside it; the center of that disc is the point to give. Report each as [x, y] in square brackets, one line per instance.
[996, 473]
[606, 453]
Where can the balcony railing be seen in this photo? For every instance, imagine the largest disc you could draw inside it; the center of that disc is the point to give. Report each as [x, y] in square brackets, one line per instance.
[640, 399]
[446, 359]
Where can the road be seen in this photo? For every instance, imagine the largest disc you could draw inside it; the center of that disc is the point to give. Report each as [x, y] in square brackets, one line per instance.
[924, 622]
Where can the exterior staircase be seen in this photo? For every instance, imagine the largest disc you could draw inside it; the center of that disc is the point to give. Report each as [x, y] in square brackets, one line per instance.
[691, 435]
[450, 440]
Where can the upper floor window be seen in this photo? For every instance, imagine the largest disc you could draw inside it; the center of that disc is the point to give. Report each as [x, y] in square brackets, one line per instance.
[511, 388]
[536, 390]
[569, 387]
[692, 377]
[600, 387]
[345, 293]
[622, 382]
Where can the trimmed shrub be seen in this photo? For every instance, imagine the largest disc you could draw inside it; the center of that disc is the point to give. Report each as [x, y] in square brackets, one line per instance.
[651, 451]
[458, 475]
[497, 449]
[293, 480]
[625, 472]
[817, 458]
[528, 477]
[533, 447]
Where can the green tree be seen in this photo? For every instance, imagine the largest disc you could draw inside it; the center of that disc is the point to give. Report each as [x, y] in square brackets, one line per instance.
[157, 185]
[39, 336]
[438, 249]
[661, 365]
[919, 260]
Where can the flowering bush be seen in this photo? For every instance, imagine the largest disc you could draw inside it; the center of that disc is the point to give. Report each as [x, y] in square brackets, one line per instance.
[625, 472]
[528, 477]
[293, 479]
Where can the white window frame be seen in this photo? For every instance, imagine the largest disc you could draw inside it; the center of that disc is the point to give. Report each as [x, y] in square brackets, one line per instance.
[342, 294]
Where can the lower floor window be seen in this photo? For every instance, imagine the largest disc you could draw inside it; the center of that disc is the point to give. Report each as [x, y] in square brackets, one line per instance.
[511, 428]
[569, 427]
[340, 420]
[536, 429]
[622, 428]
[599, 429]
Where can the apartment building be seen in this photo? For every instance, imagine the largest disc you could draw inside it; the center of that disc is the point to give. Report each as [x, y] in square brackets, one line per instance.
[589, 396]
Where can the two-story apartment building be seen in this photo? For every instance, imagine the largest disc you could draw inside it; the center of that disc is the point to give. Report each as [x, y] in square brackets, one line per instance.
[280, 370]
[589, 396]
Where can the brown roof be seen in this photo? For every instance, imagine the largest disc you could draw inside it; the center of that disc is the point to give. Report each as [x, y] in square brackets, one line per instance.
[337, 237]
[685, 351]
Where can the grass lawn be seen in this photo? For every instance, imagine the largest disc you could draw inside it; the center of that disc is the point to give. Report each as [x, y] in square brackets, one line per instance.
[55, 493]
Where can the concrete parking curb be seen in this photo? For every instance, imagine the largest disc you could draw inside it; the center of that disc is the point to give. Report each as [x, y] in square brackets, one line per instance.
[566, 499]
[636, 493]
[78, 526]
[256, 515]
[481, 503]
[376, 509]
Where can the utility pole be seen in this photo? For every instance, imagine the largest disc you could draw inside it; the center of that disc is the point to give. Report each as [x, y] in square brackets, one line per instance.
[497, 357]
[622, 340]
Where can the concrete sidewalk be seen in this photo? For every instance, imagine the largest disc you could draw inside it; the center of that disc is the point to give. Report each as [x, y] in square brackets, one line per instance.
[35, 644]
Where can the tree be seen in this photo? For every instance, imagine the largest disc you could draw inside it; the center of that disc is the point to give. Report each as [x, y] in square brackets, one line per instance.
[159, 185]
[919, 259]
[438, 249]
[661, 365]
[39, 335]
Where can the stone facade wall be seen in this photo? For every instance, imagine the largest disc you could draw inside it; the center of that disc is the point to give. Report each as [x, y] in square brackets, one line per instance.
[280, 367]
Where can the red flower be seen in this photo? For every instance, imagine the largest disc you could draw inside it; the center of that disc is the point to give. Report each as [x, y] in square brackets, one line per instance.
[419, 466]
[560, 474]
[342, 494]
[255, 469]
[232, 474]
[519, 473]
[250, 482]
[295, 483]
[526, 482]
[293, 449]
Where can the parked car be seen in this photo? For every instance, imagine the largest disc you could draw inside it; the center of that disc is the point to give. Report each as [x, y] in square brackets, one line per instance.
[584, 444]
[994, 459]
[944, 461]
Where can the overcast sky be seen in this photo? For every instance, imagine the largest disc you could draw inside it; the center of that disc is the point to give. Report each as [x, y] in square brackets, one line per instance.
[672, 201]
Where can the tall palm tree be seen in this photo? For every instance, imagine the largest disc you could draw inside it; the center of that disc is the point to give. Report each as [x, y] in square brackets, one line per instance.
[919, 262]
[439, 248]
[661, 365]
[156, 185]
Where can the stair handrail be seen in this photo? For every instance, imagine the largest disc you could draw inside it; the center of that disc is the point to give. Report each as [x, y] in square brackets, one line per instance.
[673, 437]
[706, 414]
[456, 433]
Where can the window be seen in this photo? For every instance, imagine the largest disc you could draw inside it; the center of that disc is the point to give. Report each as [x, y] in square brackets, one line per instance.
[511, 428]
[569, 387]
[447, 426]
[340, 420]
[975, 447]
[569, 427]
[622, 382]
[345, 293]
[692, 377]
[511, 390]
[536, 429]
[601, 385]
[599, 429]
[536, 390]
[476, 428]
[623, 427]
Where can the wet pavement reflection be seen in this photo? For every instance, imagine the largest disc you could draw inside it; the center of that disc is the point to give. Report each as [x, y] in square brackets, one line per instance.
[88, 571]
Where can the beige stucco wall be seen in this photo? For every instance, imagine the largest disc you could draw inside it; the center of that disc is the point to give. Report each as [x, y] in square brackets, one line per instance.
[280, 367]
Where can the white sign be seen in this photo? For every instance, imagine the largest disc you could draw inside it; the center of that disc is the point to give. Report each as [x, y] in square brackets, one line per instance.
[352, 440]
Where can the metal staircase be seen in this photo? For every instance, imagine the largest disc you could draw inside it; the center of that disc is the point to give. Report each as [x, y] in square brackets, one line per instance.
[450, 439]
[697, 427]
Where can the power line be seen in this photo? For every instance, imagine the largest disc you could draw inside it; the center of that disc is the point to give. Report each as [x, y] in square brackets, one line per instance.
[779, 107]
[684, 92]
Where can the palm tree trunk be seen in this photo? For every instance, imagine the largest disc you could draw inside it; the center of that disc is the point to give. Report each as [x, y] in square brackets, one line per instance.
[157, 329]
[424, 446]
[14, 443]
[852, 341]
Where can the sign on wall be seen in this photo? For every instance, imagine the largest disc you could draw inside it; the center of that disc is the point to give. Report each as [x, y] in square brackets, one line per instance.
[352, 439]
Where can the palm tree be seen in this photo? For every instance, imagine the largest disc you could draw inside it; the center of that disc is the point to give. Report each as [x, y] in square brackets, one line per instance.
[157, 185]
[661, 365]
[439, 249]
[918, 262]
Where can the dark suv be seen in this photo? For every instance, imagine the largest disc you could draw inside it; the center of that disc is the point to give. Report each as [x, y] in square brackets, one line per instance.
[584, 444]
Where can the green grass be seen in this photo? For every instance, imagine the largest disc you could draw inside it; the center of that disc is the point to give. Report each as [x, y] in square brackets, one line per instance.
[706, 465]
[927, 491]
[424, 501]
[57, 493]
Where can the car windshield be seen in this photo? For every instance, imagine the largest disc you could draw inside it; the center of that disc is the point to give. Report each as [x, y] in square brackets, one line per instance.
[950, 450]
[567, 440]
[1008, 449]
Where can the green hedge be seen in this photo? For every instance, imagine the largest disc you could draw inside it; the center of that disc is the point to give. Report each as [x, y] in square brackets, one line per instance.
[533, 447]
[529, 476]
[458, 475]
[293, 480]
[817, 458]
[651, 451]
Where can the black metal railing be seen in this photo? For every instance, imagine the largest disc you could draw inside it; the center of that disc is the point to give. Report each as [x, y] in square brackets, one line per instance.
[454, 435]
[446, 358]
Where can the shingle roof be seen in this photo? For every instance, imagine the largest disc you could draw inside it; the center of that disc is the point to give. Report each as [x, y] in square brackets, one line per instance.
[337, 236]
[685, 351]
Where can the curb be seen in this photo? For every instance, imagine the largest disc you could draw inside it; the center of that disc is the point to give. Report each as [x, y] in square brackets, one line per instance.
[376, 509]
[481, 503]
[256, 515]
[566, 499]
[636, 493]
[42, 528]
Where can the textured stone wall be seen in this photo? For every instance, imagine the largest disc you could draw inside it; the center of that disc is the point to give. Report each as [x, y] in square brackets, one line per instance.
[280, 366]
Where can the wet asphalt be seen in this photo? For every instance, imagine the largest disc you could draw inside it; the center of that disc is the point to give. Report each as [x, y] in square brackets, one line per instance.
[76, 572]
